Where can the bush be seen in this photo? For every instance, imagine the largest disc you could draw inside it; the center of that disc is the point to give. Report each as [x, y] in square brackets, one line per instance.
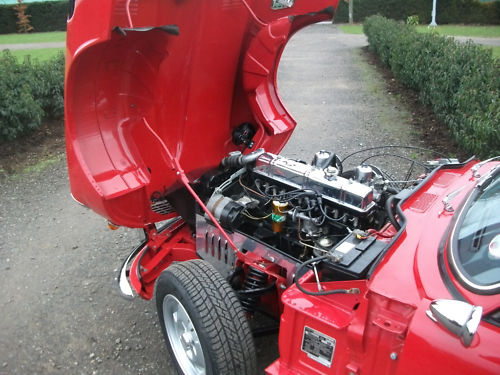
[45, 16]
[413, 20]
[448, 11]
[8, 19]
[19, 111]
[48, 85]
[30, 91]
[461, 82]
[49, 15]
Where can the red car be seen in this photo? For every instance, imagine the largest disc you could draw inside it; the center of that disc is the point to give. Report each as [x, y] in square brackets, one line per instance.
[174, 125]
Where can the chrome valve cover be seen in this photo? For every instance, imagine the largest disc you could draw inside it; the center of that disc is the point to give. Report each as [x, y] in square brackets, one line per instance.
[337, 190]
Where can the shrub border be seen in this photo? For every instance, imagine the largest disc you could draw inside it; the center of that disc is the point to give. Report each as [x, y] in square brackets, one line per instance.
[460, 81]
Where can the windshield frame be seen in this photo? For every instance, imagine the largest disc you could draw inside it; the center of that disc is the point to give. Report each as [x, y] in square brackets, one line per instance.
[454, 262]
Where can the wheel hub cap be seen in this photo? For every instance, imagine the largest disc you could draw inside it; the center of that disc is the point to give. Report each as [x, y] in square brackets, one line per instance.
[183, 337]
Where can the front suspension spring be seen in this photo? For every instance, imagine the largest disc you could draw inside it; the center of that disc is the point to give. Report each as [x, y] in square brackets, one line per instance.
[256, 280]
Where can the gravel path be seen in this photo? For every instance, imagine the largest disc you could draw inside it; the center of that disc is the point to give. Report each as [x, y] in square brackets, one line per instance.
[345, 107]
[361, 39]
[33, 45]
[61, 312]
[491, 42]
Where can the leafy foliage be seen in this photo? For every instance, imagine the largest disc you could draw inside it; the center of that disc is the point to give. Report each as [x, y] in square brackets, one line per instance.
[48, 15]
[8, 20]
[43, 16]
[23, 20]
[413, 20]
[47, 80]
[19, 111]
[461, 82]
[448, 11]
[30, 91]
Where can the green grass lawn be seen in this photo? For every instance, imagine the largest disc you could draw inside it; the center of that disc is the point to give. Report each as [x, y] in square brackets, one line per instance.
[452, 30]
[351, 29]
[54, 36]
[40, 54]
[496, 51]
[464, 30]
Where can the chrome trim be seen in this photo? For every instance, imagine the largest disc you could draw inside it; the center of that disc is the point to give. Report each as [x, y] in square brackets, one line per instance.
[451, 251]
[334, 189]
[448, 198]
[460, 318]
[126, 290]
[122, 279]
[475, 168]
[281, 4]
[77, 201]
[430, 316]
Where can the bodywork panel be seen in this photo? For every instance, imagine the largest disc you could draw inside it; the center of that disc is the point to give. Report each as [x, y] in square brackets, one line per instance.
[157, 92]
[151, 81]
[387, 330]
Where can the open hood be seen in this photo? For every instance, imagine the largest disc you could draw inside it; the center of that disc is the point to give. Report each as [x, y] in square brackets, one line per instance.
[159, 90]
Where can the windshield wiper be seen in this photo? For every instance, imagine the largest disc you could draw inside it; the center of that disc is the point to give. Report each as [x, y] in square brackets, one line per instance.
[475, 168]
[488, 178]
[446, 200]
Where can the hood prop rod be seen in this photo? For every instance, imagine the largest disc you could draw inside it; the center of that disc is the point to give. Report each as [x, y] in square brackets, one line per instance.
[185, 181]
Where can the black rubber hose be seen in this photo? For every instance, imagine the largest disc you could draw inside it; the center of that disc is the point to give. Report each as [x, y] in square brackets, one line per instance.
[390, 212]
[319, 293]
[237, 159]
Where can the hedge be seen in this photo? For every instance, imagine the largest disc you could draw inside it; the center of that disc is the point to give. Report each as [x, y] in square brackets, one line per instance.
[51, 15]
[31, 90]
[448, 11]
[460, 81]
[46, 16]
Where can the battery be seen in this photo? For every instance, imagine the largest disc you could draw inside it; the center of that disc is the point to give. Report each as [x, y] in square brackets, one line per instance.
[352, 258]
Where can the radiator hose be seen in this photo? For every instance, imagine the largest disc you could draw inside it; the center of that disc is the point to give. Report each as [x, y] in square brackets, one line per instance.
[237, 160]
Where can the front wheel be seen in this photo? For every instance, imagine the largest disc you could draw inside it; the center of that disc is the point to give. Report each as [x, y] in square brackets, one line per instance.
[202, 321]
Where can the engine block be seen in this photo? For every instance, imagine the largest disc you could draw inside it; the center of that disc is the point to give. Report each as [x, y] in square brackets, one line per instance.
[337, 190]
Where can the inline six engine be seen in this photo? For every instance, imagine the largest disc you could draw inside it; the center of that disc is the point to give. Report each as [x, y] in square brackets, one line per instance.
[289, 211]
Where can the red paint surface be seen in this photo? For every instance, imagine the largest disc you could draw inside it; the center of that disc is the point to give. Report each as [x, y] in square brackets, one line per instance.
[192, 89]
[152, 111]
[391, 316]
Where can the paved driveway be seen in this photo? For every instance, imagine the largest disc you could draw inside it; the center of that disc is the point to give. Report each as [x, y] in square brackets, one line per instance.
[359, 39]
[61, 312]
[33, 45]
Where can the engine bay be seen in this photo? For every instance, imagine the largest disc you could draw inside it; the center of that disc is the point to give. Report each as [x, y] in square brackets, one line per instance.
[290, 212]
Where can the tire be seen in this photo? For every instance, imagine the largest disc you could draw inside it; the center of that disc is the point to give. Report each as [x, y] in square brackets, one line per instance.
[203, 323]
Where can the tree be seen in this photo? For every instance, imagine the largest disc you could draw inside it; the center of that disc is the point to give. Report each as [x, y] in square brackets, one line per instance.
[23, 19]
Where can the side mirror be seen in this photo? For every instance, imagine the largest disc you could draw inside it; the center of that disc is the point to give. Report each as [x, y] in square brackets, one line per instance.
[460, 318]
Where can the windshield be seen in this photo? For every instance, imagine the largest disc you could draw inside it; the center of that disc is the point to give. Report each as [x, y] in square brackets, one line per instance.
[476, 246]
